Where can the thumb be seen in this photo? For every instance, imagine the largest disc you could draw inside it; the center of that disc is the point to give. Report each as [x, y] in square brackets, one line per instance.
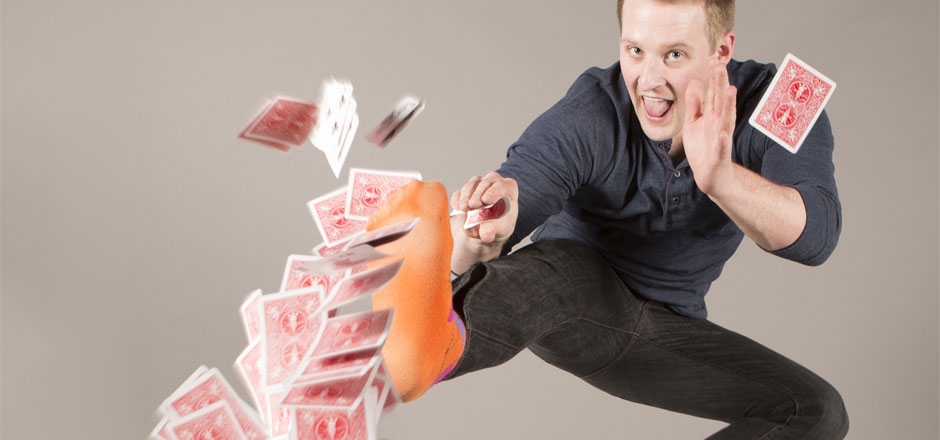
[487, 232]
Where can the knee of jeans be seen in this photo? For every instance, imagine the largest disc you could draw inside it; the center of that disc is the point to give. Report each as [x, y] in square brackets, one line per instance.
[581, 347]
[827, 411]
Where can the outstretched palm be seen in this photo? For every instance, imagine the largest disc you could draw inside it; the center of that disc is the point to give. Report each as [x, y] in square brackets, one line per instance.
[709, 127]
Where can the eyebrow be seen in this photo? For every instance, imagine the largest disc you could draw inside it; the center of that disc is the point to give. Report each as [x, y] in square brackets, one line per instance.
[673, 45]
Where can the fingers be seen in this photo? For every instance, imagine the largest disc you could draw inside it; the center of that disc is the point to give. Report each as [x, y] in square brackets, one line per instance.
[693, 98]
[716, 101]
[730, 109]
[461, 197]
[716, 89]
[491, 188]
[482, 191]
[722, 96]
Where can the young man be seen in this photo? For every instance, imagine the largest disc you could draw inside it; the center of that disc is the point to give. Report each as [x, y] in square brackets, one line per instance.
[642, 182]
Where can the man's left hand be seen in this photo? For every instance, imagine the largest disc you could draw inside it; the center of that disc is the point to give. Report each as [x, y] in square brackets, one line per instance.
[709, 128]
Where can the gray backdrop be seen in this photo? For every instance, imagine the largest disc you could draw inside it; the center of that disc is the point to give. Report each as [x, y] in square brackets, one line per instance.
[134, 223]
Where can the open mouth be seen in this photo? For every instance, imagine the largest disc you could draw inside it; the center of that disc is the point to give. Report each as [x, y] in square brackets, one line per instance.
[656, 108]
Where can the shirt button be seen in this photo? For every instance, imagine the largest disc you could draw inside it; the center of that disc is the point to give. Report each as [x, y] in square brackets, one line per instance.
[678, 173]
[675, 200]
[662, 146]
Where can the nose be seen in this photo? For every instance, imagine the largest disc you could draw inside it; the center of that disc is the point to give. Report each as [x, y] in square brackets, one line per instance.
[651, 74]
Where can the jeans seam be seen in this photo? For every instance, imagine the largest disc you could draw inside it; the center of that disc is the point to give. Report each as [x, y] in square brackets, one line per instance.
[634, 334]
[493, 338]
[591, 321]
[540, 335]
[780, 426]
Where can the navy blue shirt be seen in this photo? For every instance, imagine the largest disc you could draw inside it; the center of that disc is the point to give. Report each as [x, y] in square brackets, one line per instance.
[587, 172]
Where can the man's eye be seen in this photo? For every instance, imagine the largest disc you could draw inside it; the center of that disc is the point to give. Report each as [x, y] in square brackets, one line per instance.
[675, 55]
[634, 50]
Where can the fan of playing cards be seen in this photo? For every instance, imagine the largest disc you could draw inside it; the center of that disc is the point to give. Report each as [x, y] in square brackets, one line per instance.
[312, 373]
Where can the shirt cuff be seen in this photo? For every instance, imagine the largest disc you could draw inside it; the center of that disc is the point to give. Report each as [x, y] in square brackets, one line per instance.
[821, 232]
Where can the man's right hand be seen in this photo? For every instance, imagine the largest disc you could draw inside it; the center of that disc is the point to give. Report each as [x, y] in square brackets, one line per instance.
[484, 241]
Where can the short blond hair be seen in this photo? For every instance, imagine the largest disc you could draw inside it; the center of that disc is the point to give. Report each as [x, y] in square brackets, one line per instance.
[719, 16]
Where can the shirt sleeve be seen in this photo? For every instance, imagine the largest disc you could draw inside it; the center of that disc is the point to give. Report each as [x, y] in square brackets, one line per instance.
[562, 150]
[811, 172]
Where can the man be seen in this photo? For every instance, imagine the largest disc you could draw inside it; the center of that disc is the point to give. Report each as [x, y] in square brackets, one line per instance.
[642, 182]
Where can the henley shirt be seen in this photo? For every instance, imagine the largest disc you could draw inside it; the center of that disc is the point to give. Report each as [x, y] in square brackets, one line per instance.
[587, 172]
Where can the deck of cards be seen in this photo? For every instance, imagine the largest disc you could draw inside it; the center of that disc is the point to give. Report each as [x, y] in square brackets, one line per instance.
[488, 213]
[792, 104]
[311, 371]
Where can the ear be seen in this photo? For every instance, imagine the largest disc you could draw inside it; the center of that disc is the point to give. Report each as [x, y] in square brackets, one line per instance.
[725, 49]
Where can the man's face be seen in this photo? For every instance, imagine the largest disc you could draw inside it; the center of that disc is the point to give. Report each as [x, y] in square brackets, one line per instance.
[663, 46]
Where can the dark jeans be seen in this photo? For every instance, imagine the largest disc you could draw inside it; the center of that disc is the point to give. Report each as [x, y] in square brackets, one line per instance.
[564, 302]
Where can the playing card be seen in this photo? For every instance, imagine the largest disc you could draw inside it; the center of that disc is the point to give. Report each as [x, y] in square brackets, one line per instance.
[361, 284]
[381, 397]
[210, 388]
[384, 235]
[324, 250]
[338, 158]
[380, 391]
[291, 324]
[407, 109]
[792, 103]
[315, 423]
[328, 367]
[275, 145]
[368, 190]
[338, 122]
[282, 418]
[296, 278]
[348, 107]
[388, 398]
[164, 408]
[370, 403]
[332, 391]
[249, 366]
[349, 333]
[488, 213]
[215, 421]
[335, 98]
[161, 431]
[340, 261]
[355, 363]
[329, 213]
[251, 315]
[287, 122]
